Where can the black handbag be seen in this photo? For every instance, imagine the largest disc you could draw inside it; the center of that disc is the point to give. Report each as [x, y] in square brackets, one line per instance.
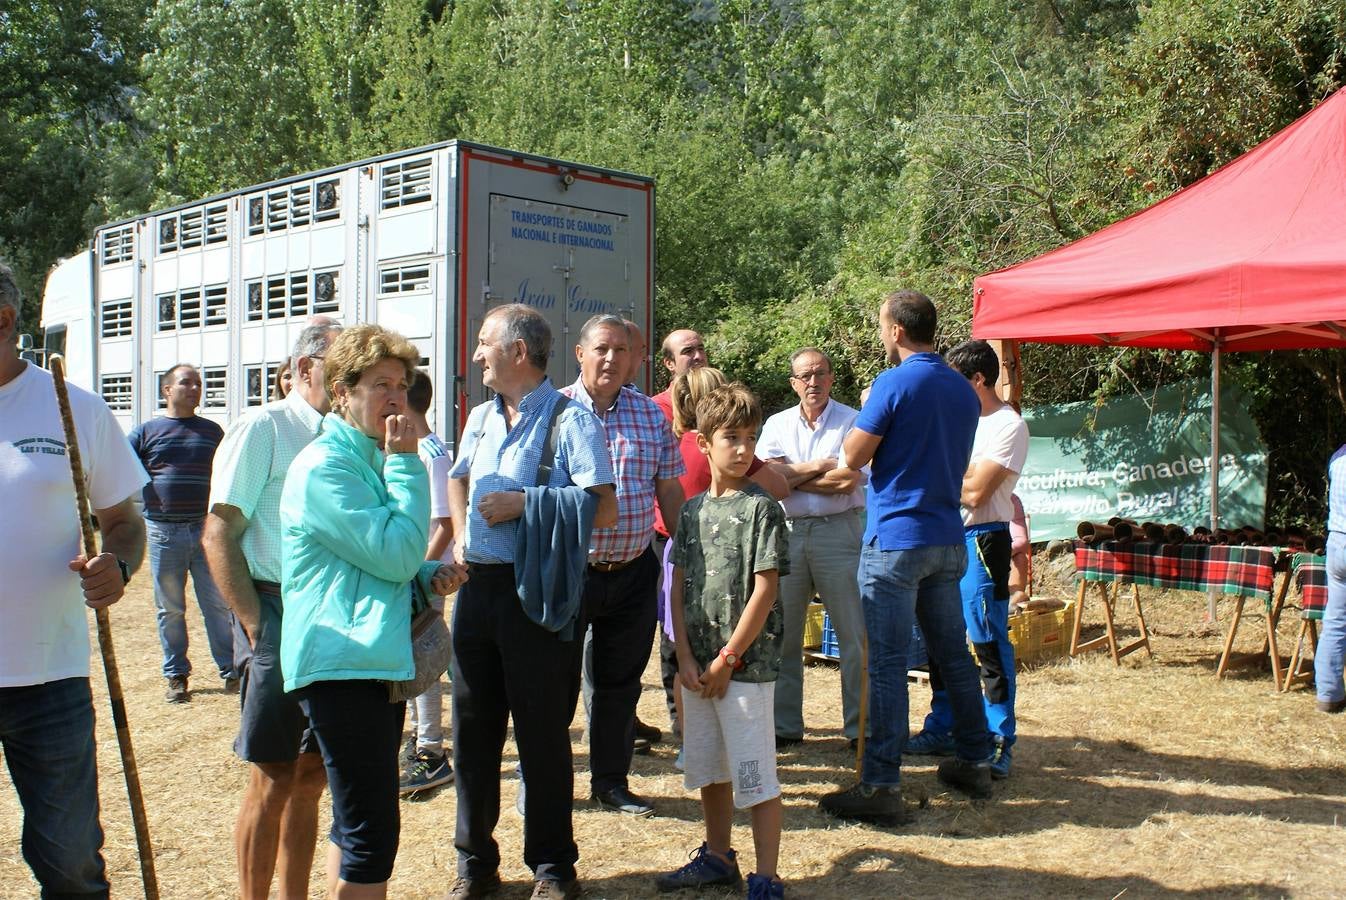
[431, 648]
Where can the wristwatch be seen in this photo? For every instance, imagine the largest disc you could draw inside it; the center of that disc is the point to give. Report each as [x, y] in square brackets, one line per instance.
[730, 658]
[126, 570]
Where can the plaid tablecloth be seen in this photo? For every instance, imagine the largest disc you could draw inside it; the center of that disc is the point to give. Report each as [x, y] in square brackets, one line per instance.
[1248, 571]
[1311, 576]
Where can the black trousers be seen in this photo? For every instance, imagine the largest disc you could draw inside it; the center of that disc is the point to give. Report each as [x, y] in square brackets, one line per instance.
[503, 665]
[620, 608]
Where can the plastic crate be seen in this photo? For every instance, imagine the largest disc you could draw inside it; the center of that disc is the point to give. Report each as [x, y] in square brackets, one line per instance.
[813, 626]
[1041, 635]
[828, 646]
[916, 655]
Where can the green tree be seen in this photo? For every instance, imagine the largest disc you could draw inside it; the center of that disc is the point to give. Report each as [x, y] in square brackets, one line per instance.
[65, 71]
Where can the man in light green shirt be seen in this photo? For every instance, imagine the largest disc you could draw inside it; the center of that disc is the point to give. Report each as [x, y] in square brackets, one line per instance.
[278, 821]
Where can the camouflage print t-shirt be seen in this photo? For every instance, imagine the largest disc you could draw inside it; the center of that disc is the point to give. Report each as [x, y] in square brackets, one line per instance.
[720, 544]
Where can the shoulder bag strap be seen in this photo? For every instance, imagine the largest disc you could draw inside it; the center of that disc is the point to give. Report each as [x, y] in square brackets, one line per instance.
[545, 464]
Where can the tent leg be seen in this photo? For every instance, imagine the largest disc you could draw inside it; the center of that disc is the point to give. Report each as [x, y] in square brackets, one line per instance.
[1214, 459]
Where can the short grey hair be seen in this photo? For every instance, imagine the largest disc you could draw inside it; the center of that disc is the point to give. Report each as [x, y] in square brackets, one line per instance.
[523, 323]
[9, 293]
[602, 320]
[805, 351]
[313, 341]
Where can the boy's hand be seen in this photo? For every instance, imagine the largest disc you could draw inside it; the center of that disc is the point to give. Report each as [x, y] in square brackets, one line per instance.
[715, 680]
[689, 673]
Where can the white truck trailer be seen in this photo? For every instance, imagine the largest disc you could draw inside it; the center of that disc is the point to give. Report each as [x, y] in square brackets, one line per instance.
[422, 241]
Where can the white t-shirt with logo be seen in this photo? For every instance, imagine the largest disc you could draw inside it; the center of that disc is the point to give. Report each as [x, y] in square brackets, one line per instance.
[1002, 437]
[44, 631]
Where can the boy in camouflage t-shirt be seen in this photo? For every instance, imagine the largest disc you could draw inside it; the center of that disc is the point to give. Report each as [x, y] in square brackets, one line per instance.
[728, 553]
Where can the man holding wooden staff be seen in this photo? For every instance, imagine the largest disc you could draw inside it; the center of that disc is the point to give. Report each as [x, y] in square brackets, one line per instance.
[46, 711]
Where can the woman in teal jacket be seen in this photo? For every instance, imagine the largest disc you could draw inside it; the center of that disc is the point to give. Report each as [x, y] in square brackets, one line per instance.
[355, 516]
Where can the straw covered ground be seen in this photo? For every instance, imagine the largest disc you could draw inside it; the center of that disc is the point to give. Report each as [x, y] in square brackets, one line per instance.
[1151, 779]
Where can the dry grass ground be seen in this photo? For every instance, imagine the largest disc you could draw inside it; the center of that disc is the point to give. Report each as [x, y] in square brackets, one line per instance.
[1151, 779]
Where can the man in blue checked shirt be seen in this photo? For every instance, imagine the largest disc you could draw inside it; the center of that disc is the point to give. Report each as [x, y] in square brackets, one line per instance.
[619, 592]
[504, 663]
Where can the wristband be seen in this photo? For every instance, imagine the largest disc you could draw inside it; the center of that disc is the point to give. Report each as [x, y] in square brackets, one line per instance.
[731, 659]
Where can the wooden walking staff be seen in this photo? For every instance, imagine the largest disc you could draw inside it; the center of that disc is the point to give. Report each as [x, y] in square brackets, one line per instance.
[114, 681]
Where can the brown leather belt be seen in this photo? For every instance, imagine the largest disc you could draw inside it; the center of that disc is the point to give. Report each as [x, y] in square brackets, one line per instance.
[611, 565]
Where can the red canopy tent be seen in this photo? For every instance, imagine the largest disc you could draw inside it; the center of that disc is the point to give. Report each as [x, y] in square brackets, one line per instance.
[1251, 257]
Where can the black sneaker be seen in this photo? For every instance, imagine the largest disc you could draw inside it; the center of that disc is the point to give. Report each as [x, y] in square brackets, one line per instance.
[231, 685]
[427, 770]
[177, 690]
[764, 887]
[972, 778]
[880, 804]
[704, 870]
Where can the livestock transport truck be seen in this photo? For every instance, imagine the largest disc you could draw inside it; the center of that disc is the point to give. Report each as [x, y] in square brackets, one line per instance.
[423, 241]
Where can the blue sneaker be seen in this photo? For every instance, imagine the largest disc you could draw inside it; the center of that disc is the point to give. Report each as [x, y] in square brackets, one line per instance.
[1000, 760]
[705, 869]
[763, 887]
[929, 743]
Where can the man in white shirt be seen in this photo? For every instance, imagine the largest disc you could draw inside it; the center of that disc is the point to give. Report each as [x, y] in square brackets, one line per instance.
[826, 512]
[277, 823]
[998, 454]
[46, 711]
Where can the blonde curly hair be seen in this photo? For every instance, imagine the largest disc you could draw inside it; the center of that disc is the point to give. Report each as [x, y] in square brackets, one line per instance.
[359, 348]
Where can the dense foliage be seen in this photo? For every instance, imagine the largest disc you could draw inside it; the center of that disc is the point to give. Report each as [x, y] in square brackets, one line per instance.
[808, 153]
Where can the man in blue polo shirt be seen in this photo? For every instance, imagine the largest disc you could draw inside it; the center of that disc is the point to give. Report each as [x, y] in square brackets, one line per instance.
[916, 431]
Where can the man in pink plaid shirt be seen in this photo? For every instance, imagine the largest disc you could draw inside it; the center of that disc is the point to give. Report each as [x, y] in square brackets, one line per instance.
[619, 592]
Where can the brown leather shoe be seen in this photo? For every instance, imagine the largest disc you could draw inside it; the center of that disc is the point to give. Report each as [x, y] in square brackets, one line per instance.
[465, 888]
[549, 889]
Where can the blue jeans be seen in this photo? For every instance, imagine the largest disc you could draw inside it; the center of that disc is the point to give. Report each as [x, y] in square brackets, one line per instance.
[897, 586]
[46, 731]
[175, 550]
[1328, 658]
[985, 591]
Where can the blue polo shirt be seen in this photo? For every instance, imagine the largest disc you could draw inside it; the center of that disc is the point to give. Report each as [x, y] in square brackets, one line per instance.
[926, 414]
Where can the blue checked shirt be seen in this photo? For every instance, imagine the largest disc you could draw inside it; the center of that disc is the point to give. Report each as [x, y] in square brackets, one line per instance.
[1336, 491]
[497, 458]
[642, 449]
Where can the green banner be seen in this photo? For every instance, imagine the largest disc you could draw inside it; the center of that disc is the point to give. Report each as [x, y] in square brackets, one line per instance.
[1145, 458]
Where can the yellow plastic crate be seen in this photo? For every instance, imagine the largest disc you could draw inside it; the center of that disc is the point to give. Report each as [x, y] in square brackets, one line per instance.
[813, 627]
[1041, 635]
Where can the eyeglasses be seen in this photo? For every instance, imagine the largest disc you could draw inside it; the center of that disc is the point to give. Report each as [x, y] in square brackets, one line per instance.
[806, 377]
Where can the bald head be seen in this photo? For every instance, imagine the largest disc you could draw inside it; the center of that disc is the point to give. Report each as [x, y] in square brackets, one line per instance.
[683, 351]
[638, 350]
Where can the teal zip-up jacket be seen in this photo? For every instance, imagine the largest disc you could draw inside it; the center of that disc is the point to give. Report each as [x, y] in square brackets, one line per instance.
[355, 525]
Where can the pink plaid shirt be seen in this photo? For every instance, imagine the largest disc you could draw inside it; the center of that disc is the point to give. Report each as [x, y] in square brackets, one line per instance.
[643, 449]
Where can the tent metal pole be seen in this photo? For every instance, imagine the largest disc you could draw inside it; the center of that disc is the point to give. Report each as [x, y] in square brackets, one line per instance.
[1214, 458]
